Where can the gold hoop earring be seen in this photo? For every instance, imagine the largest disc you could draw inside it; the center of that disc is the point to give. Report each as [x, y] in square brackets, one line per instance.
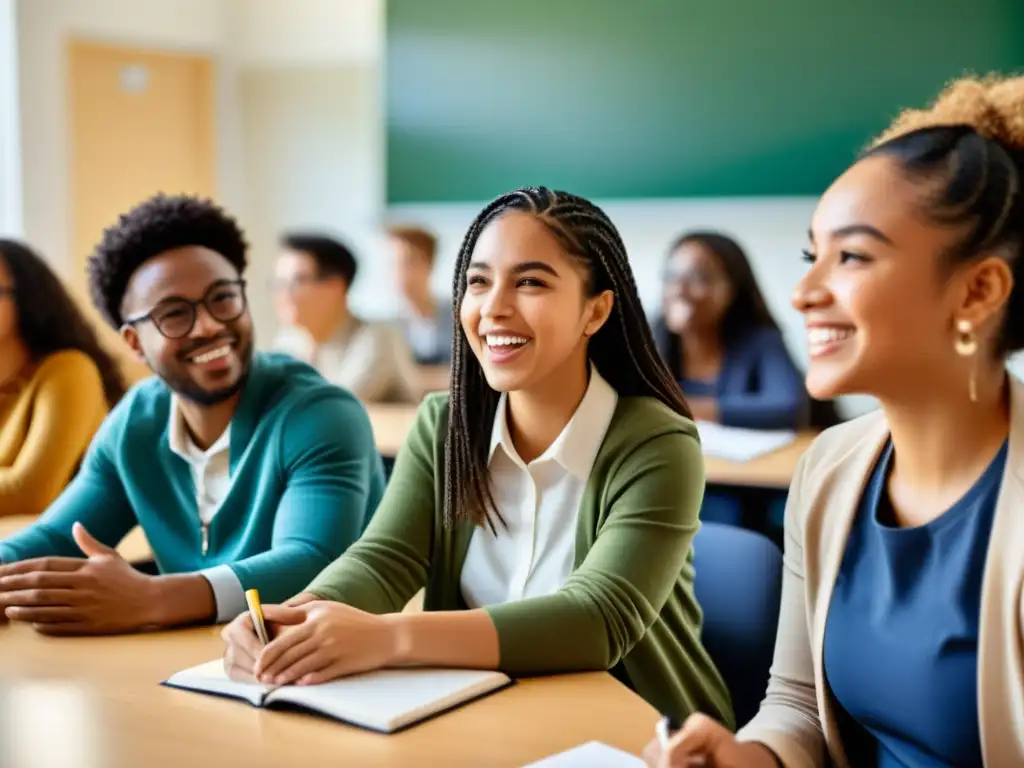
[966, 345]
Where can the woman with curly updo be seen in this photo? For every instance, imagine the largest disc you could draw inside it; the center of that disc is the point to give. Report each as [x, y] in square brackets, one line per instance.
[900, 640]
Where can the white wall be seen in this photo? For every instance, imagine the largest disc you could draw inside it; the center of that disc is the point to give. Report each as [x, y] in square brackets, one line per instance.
[10, 133]
[309, 137]
[44, 28]
[307, 32]
[311, 130]
[299, 119]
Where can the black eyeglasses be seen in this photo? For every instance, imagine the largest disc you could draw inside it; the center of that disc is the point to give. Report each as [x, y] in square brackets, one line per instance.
[175, 318]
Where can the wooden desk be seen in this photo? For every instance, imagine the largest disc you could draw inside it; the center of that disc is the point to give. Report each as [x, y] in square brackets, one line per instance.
[773, 470]
[433, 378]
[97, 703]
[391, 423]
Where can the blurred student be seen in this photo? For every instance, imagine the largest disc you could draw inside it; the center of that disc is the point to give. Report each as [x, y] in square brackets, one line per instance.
[243, 470]
[312, 279]
[548, 504]
[426, 322]
[900, 635]
[56, 382]
[721, 342]
[725, 349]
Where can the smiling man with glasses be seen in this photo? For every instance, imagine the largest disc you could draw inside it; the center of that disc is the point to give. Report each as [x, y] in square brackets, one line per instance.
[244, 470]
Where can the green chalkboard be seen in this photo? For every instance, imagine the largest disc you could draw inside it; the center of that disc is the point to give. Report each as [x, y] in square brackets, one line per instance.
[664, 98]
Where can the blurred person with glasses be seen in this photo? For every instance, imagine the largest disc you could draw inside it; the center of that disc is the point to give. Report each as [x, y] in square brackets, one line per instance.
[311, 284]
[56, 382]
[244, 470]
[725, 349]
[720, 340]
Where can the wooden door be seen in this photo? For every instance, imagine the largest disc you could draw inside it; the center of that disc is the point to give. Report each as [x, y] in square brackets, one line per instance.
[141, 122]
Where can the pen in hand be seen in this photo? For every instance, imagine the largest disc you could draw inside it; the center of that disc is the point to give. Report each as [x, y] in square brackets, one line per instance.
[665, 728]
[252, 598]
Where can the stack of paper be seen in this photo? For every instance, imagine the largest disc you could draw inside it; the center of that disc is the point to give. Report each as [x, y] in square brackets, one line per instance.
[737, 444]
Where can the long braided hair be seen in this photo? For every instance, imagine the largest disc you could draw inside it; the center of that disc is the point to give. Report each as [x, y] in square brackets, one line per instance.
[623, 349]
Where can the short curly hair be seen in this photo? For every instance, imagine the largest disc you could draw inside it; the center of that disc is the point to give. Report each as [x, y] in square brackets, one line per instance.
[157, 225]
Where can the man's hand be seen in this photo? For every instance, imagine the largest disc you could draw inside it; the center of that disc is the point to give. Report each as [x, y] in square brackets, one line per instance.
[101, 594]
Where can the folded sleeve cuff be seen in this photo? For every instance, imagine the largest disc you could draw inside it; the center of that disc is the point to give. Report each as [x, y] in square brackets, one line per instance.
[227, 592]
[789, 752]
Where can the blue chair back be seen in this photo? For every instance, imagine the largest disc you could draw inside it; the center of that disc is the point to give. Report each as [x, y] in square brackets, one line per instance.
[738, 584]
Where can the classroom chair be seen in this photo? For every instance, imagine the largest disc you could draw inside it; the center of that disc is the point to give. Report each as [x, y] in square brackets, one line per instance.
[722, 507]
[738, 584]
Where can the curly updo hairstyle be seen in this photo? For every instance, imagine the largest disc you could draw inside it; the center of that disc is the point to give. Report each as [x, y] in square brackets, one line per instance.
[968, 149]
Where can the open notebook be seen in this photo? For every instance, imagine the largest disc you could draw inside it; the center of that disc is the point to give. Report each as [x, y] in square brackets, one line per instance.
[385, 701]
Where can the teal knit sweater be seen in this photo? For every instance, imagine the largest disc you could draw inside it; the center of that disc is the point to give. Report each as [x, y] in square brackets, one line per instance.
[305, 478]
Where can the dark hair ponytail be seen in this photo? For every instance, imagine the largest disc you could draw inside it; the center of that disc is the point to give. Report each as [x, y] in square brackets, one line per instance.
[622, 350]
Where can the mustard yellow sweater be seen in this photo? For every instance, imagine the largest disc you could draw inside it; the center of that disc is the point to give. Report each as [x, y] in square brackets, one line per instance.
[47, 420]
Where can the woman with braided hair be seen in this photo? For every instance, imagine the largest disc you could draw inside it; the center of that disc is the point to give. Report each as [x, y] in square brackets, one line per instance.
[901, 634]
[547, 504]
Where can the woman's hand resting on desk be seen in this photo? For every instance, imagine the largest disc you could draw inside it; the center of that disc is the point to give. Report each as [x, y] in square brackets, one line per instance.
[705, 743]
[242, 647]
[313, 641]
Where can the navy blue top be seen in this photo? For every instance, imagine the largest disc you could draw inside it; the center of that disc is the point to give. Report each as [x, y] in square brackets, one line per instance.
[758, 386]
[901, 640]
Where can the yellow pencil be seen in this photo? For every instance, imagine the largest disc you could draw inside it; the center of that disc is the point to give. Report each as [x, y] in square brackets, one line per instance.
[252, 597]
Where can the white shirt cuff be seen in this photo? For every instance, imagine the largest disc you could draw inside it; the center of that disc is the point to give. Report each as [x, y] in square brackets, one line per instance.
[227, 592]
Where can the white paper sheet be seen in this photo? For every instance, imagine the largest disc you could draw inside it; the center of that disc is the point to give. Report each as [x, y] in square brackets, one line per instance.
[737, 444]
[593, 754]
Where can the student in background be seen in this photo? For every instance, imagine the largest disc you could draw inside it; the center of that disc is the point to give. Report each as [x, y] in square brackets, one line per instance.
[721, 342]
[243, 470]
[312, 279]
[426, 322]
[56, 382]
[558, 399]
[900, 636]
[724, 348]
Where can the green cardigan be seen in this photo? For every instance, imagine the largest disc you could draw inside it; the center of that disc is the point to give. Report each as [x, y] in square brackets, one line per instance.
[629, 603]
